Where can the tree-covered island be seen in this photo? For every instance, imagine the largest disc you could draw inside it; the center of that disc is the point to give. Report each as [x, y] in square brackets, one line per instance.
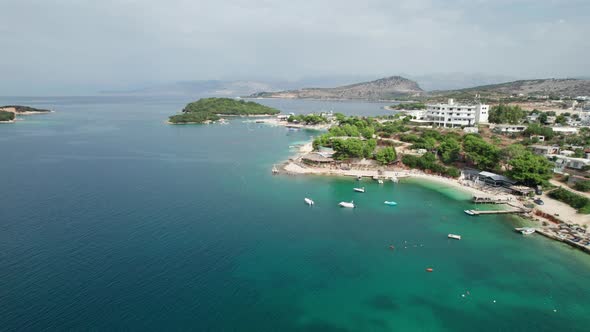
[207, 110]
[8, 113]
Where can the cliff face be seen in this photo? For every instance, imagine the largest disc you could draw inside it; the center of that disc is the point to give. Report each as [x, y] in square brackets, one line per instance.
[381, 89]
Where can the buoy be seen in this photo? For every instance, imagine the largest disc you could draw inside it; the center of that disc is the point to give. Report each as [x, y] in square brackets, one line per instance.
[429, 269]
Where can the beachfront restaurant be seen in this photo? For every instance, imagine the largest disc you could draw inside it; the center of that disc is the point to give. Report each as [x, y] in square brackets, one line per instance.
[317, 158]
[495, 180]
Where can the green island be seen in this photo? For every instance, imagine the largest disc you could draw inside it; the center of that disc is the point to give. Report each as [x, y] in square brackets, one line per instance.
[208, 110]
[8, 113]
[6, 116]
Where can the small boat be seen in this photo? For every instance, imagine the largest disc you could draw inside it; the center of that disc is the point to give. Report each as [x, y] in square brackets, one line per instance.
[359, 178]
[309, 201]
[525, 230]
[469, 212]
[347, 204]
[429, 269]
[380, 181]
[360, 190]
[394, 179]
[454, 236]
[392, 203]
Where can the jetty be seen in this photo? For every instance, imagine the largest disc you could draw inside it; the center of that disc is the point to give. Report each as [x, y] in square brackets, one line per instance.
[477, 199]
[511, 211]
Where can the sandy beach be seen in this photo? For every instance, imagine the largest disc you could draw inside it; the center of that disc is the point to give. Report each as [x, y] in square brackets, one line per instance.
[559, 210]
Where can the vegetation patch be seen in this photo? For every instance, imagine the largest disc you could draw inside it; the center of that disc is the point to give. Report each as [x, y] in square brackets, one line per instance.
[6, 116]
[578, 202]
[209, 109]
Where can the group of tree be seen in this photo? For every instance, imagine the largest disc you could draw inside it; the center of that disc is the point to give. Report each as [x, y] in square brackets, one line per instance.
[6, 116]
[353, 148]
[428, 162]
[579, 202]
[408, 106]
[526, 167]
[512, 114]
[311, 119]
[209, 109]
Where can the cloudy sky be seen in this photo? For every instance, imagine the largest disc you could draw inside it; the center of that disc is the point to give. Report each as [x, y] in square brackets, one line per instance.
[78, 46]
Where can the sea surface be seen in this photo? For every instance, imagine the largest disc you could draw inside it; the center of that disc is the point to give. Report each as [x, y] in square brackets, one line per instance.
[112, 220]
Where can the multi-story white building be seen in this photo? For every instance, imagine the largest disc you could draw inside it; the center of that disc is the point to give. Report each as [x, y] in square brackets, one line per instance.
[456, 115]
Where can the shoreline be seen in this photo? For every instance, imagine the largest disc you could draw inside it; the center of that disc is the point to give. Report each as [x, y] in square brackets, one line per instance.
[545, 223]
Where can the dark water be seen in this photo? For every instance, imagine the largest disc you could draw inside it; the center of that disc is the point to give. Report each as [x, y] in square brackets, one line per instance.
[112, 220]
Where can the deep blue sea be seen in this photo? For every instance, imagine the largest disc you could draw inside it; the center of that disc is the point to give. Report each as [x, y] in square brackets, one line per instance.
[111, 219]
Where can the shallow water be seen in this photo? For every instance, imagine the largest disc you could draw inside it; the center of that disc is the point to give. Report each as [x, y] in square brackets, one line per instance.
[111, 219]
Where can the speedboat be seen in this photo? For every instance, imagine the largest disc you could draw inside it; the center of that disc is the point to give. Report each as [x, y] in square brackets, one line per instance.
[347, 204]
[525, 230]
[394, 179]
[309, 201]
[358, 178]
[469, 212]
[380, 181]
[360, 190]
[454, 236]
[392, 203]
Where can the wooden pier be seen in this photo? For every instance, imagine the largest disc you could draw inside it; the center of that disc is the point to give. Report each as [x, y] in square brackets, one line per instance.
[480, 212]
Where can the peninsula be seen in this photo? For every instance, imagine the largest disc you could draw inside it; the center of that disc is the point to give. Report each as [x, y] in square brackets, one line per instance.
[207, 110]
[387, 88]
[8, 113]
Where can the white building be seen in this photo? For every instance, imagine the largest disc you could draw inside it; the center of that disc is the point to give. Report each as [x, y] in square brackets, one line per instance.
[565, 130]
[456, 115]
[508, 129]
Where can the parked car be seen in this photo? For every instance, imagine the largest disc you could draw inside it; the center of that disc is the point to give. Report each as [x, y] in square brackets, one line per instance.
[539, 201]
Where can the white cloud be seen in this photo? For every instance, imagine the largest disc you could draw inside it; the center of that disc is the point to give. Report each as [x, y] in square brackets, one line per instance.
[121, 42]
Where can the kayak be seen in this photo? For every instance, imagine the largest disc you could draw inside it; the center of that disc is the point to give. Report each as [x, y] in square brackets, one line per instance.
[392, 203]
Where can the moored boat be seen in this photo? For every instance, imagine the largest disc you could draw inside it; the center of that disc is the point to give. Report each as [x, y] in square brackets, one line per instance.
[309, 201]
[525, 230]
[347, 204]
[392, 203]
[469, 212]
[360, 190]
[380, 181]
[454, 236]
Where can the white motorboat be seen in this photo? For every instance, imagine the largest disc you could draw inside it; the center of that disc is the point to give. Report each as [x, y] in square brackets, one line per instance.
[394, 179]
[469, 212]
[347, 204]
[360, 190]
[525, 230]
[454, 236]
[309, 201]
[358, 178]
[380, 181]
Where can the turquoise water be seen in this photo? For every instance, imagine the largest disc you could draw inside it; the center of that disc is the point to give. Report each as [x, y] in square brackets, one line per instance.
[112, 220]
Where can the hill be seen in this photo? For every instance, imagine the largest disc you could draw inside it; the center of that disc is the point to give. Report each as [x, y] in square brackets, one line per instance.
[382, 89]
[538, 88]
[209, 109]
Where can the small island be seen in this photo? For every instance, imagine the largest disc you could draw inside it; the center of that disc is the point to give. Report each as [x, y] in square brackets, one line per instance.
[209, 110]
[8, 113]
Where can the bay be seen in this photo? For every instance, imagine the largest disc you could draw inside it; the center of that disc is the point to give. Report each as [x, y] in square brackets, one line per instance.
[112, 220]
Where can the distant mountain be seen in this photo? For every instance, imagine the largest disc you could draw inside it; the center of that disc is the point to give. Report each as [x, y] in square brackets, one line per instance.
[204, 87]
[538, 87]
[382, 89]
[454, 81]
